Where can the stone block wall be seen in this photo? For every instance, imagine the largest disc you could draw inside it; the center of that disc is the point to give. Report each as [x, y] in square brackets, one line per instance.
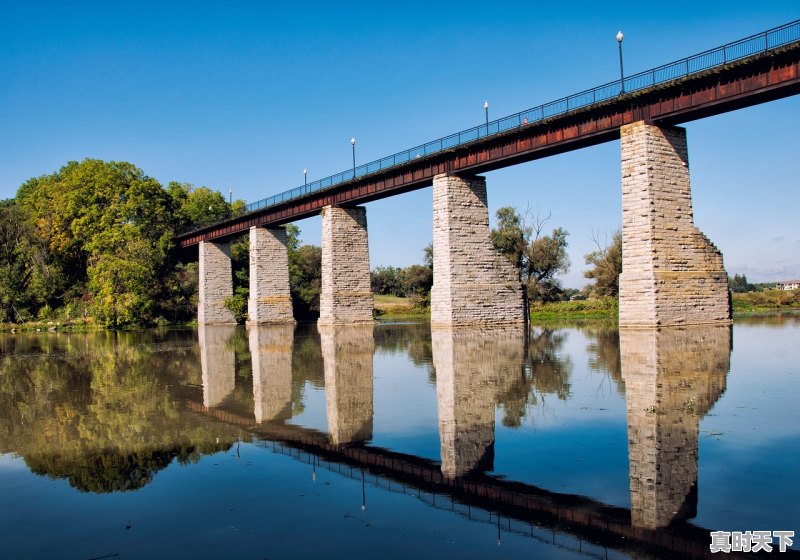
[673, 377]
[216, 284]
[346, 294]
[270, 300]
[671, 273]
[473, 284]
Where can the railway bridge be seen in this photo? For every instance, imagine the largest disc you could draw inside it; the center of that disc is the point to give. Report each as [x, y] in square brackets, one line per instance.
[672, 274]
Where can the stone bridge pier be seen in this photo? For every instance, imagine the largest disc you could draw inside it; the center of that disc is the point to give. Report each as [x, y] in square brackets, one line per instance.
[346, 294]
[671, 273]
[473, 284]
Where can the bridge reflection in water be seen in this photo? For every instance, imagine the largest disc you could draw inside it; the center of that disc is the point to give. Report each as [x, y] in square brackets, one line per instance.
[672, 378]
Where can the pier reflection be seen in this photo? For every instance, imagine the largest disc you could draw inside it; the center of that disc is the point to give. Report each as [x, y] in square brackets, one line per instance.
[347, 352]
[473, 368]
[217, 362]
[271, 349]
[672, 379]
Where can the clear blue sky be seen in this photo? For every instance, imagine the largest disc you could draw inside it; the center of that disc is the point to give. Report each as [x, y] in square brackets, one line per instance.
[243, 96]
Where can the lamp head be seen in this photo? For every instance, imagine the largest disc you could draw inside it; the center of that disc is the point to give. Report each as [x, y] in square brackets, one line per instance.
[619, 36]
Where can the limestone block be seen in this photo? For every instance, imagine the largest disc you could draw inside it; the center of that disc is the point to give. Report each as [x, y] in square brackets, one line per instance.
[671, 273]
[270, 300]
[473, 284]
[216, 284]
[346, 294]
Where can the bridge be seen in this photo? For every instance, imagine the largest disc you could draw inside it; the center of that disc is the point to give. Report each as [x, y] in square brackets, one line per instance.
[672, 274]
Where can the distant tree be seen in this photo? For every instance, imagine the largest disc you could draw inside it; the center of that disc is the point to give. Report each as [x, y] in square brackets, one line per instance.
[305, 274]
[739, 284]
[427, 259]
[387, 280]
[417, 280]
[606, 264]
[538, 257]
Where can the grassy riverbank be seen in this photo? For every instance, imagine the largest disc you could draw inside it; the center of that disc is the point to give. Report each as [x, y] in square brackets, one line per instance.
[768, 302]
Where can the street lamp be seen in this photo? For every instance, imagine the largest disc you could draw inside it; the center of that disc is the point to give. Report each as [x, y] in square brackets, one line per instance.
[486, 109]
[230, 197]
[305, 177]
[621, 75]
[353, 142]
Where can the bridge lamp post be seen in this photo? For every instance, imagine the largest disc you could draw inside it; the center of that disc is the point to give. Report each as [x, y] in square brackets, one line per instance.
[486, 110]
[305, 178]
[353, 143]
[621, 75]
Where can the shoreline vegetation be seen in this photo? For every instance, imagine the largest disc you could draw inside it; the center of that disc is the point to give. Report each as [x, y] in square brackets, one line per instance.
[390, 308]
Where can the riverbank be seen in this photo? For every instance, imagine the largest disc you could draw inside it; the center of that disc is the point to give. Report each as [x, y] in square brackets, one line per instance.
[751, 304]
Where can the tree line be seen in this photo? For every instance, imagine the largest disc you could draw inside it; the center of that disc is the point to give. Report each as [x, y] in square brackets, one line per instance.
[94, 242]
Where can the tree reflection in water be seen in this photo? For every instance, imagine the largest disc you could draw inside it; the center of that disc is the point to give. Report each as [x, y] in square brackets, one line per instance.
[100, 409]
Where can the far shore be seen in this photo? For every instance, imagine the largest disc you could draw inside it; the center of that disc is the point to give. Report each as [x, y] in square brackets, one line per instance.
[392, 308]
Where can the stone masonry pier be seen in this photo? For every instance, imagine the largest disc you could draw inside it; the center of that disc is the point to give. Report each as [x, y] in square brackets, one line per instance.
[473, 284]
[671, 273]
[216, 284]
[270, 300]
[346, 295]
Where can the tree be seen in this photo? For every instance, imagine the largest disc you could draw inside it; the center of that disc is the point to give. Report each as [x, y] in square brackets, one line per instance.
[606, 264]
[739, 284]
[305, 274]
[538, 257]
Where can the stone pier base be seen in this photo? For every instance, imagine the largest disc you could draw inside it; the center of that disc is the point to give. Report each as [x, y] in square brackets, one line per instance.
[216, 284]
[671, 273]
[473, 284]
[270, 300]
[346, 295]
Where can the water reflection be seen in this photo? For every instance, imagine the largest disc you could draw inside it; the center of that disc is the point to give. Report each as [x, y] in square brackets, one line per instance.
[109, 411]
[672, 379]
[218, 362]
[473, 368]
[271, 349]
[347, 353]
[96, 409]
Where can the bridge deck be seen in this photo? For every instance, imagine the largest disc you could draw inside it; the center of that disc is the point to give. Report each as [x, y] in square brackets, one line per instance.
[772, 73]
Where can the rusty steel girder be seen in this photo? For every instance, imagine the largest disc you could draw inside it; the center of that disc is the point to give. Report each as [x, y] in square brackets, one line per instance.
[746, 82]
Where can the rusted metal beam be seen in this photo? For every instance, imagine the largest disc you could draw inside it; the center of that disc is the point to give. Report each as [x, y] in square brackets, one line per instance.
[750, 81]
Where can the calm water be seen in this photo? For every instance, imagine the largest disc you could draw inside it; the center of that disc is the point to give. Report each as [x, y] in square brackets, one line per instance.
[396, 442]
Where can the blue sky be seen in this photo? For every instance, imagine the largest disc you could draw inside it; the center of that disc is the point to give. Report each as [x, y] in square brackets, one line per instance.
[243, 96]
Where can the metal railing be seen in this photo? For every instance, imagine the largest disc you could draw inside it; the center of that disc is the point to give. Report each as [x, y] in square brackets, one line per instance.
[755, 44]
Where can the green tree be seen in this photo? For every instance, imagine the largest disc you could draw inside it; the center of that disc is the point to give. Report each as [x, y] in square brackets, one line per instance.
[538, 257]
[739, 284]
[305, 274]
[606, 264]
